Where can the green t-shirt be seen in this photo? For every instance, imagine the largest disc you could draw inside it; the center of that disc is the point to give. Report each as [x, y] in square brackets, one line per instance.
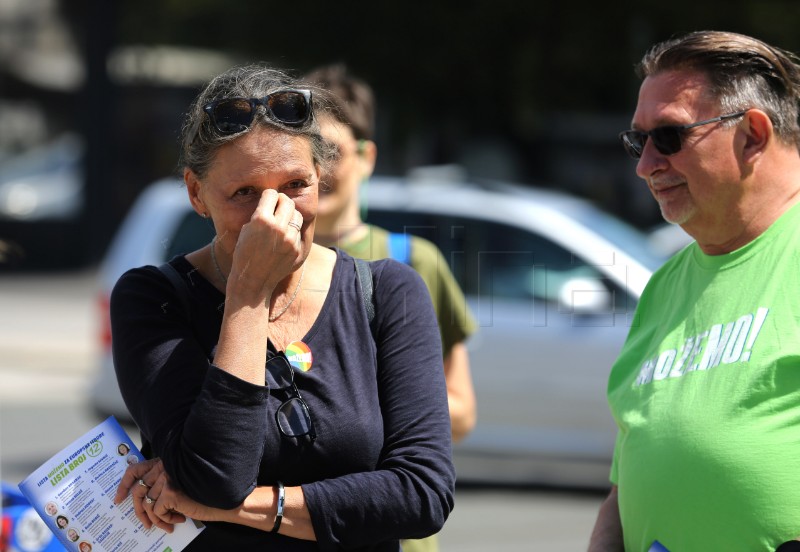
[706, 394]
[455, 321]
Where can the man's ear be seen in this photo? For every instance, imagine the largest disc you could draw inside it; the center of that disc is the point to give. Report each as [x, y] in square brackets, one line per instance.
[759, 132]
[194, 189]
[368, 153]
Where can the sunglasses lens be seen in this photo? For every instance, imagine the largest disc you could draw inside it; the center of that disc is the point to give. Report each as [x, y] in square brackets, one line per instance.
[667, 140]
[232, 116]
[289, 107]
[294, 419]
[633, 141]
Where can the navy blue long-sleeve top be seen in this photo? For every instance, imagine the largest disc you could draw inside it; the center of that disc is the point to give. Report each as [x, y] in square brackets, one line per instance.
[380, 468]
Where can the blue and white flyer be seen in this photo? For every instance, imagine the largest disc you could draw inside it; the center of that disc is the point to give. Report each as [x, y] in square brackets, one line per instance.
[73, 492]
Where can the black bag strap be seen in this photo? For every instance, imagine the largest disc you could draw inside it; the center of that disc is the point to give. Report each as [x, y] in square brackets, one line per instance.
[183, 295]
[365, 279]
[179, 284]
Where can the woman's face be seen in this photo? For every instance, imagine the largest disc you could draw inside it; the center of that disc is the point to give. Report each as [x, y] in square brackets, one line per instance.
[263, 159]
[86, 547]
[62, 522]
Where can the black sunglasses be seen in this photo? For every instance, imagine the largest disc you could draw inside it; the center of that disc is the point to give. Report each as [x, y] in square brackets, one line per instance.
[293, 416]
[234, 115]
[667, 139]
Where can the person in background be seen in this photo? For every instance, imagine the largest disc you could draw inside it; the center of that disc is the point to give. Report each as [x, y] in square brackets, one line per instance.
[262, 409]
[706, 390]
[350, 125]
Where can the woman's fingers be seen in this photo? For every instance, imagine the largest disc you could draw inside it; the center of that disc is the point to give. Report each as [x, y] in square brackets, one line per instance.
[151, 499]
[132, 475]
[167, 507]
[154, 500]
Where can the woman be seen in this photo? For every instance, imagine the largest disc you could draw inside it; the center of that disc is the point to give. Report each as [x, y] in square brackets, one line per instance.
[347, 446]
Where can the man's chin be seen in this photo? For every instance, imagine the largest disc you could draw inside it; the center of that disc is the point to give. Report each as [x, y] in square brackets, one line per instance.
[676, 216]
[325, 208]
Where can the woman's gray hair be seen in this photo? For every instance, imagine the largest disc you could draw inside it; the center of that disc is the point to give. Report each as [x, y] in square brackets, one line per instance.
[200, 141]
[744, 73]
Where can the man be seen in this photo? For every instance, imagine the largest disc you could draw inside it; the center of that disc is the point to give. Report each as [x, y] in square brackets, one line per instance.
[350, 127]
[706, 391]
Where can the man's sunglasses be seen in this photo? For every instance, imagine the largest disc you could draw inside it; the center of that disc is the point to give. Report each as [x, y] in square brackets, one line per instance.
[667, 139]
[234, 115]
[293, 416]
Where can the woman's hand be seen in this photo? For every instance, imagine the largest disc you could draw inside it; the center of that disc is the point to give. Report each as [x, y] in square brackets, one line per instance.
[155, 500]
[270, 244]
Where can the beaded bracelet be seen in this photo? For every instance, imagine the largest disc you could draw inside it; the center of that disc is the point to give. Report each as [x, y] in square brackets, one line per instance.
[279, 514]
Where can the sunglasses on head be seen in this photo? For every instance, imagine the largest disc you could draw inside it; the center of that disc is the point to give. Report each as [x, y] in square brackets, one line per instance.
[234, 115]
[668, 140]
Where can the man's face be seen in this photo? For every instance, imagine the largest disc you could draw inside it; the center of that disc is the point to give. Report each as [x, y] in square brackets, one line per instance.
[341, 184]
[699, 185]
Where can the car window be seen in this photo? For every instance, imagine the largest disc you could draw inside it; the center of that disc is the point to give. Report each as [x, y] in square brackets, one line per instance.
[193, 232]
[498, 260]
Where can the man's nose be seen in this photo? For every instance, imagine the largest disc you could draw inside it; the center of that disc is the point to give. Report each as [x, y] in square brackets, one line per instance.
[650, 161]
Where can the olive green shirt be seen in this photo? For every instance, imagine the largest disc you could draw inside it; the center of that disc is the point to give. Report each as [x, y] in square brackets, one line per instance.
[456, 323]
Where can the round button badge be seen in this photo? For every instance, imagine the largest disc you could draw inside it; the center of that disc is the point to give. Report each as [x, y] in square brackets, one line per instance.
[299, 355]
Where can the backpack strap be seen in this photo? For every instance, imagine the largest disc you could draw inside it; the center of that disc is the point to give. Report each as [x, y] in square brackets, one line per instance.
[400, 247]
[183, 295]
[179, 284]
[365, 280]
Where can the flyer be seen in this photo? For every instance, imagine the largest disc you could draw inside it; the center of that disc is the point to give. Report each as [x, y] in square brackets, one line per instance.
[73, 492]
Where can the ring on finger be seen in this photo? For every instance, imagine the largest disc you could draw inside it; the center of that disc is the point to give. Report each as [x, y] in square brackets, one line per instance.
[148, 499]
[143, 484]
[295, 225]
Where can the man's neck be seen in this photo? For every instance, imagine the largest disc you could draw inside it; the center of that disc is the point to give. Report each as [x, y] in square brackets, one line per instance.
[341, 234]
[771, 191]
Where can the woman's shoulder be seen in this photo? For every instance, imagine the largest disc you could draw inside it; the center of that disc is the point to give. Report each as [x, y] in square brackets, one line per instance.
[150, 282]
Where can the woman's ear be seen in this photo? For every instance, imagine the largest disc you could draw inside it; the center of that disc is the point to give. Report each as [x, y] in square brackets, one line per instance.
[759, 132]
[194, 188]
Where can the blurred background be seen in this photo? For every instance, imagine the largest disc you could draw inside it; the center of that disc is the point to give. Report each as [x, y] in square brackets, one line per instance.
[92, 94]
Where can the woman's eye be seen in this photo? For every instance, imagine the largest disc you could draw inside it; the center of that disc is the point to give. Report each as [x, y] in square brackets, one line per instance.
[243, 192]
[295, 184]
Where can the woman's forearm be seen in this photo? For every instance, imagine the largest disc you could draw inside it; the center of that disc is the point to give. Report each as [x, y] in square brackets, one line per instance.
[259, 511]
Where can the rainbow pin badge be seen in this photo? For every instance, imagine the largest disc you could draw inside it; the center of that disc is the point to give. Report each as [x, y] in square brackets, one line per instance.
[299, 355]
